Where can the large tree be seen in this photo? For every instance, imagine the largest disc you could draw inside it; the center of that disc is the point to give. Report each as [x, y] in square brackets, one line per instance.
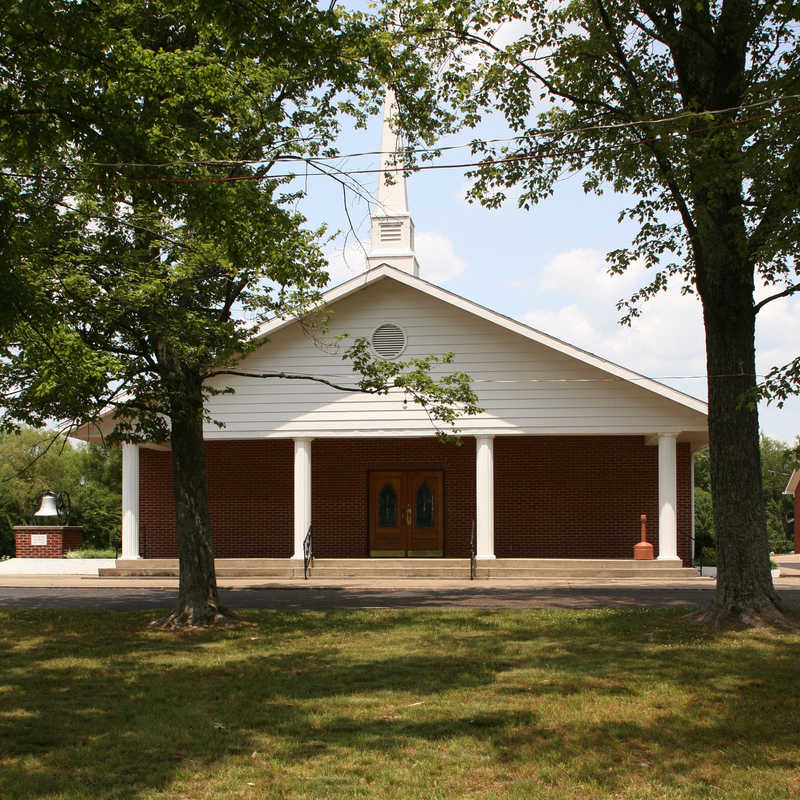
[140, 140]
[692, 108]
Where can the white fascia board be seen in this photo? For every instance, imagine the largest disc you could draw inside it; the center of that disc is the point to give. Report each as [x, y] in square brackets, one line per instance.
[791, 487]
[385, 271]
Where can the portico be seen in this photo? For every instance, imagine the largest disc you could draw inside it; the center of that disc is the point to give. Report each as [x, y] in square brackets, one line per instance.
[336, 485]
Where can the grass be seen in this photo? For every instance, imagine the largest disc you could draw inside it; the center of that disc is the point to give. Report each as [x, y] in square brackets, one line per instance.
[397, 704]
[92, 552]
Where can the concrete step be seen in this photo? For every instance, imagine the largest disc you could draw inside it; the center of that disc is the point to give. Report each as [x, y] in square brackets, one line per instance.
[678, 573]
[224, 568]
[116, 572]
[384, 563]
[583, 563]
[419, 572]
[147, 563]
[255, 572]
[400, 568]
[383, 568]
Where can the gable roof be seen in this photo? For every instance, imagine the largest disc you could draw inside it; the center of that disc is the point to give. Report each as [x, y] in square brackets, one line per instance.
[385, 271]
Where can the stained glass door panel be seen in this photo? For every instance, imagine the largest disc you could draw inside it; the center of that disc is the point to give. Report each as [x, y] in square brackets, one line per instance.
[406, 516]
[388, 533]
[426, 532]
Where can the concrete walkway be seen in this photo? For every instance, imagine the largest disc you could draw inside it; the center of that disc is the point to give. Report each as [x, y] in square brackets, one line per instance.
[789, 564]
[54, 566]
[74, 583]
[128, 594]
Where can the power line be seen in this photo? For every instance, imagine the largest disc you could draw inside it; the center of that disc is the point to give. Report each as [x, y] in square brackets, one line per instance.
[465, 145]
[318, 162]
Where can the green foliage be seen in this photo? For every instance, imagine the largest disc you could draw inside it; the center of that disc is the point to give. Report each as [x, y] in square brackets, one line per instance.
[32, 461]
[153, 130]
[147, 144]
[777, 462]
[617, 92]
[90, 552]
[705, 539]
[690, 111]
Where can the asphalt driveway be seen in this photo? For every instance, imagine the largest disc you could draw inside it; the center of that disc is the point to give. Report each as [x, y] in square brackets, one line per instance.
[308, 596]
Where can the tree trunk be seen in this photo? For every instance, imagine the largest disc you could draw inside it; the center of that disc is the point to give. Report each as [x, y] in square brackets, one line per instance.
[745, 594]
[198, 599]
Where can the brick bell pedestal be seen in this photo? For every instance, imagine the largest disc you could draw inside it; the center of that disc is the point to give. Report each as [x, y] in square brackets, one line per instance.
[46, 541]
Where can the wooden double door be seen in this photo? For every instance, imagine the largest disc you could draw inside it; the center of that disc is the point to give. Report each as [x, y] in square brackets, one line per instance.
[406, 514]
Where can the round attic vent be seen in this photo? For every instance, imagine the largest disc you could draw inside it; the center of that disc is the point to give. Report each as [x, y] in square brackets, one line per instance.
[388, 340]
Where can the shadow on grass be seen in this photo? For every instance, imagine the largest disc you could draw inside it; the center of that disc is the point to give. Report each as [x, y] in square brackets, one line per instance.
[91, 705]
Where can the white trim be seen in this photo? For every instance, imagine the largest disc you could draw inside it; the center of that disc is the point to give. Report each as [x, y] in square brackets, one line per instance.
[385, 271]
[794, 480]
[302, 494]
[484, 497]
[667, 498]
[130, 501]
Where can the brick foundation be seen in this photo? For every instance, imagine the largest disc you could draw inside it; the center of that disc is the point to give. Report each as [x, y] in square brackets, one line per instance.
[555, 497]
[60, 540]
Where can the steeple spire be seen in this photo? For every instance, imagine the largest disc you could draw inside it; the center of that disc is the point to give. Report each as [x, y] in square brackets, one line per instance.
[392, 231]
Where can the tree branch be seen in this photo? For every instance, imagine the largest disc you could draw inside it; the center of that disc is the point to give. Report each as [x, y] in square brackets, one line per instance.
[785, 293]
[292, 377]
[780, 202]
[535, 74]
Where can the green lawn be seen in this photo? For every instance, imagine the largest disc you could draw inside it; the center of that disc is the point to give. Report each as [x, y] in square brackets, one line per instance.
[384, 703]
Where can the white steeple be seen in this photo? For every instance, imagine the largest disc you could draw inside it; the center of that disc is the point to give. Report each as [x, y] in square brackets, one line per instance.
[392, 233]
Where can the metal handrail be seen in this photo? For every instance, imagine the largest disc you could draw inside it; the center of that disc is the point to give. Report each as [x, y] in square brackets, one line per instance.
[308, 554]
[473, 552]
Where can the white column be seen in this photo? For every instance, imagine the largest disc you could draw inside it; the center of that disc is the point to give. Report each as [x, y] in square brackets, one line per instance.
[484, 496]
[130, 501]
[302, 493]
[667, 499]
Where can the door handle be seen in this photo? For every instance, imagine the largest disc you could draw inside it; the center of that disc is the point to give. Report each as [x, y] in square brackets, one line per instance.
[408, 517]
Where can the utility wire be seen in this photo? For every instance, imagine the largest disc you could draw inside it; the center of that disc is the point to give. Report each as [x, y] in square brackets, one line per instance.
[540, 151]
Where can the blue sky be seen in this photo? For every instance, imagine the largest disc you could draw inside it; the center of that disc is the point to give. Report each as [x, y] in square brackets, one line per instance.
[546, 267]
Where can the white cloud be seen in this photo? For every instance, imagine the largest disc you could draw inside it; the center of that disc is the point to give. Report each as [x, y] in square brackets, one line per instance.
[346, 262]
[580, 297]
[438, 260]
[667, 342]
[777, 335]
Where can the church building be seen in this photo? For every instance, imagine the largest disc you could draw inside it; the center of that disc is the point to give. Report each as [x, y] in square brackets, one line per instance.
[569, 451]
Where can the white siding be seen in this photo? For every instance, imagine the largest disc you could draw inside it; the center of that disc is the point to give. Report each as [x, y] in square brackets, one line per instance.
[525, 387]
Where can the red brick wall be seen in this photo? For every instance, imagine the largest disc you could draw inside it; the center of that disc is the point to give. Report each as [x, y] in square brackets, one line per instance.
[60, 540]
[339, 486]
[581, 496]
[250, 489]
[564, 497]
